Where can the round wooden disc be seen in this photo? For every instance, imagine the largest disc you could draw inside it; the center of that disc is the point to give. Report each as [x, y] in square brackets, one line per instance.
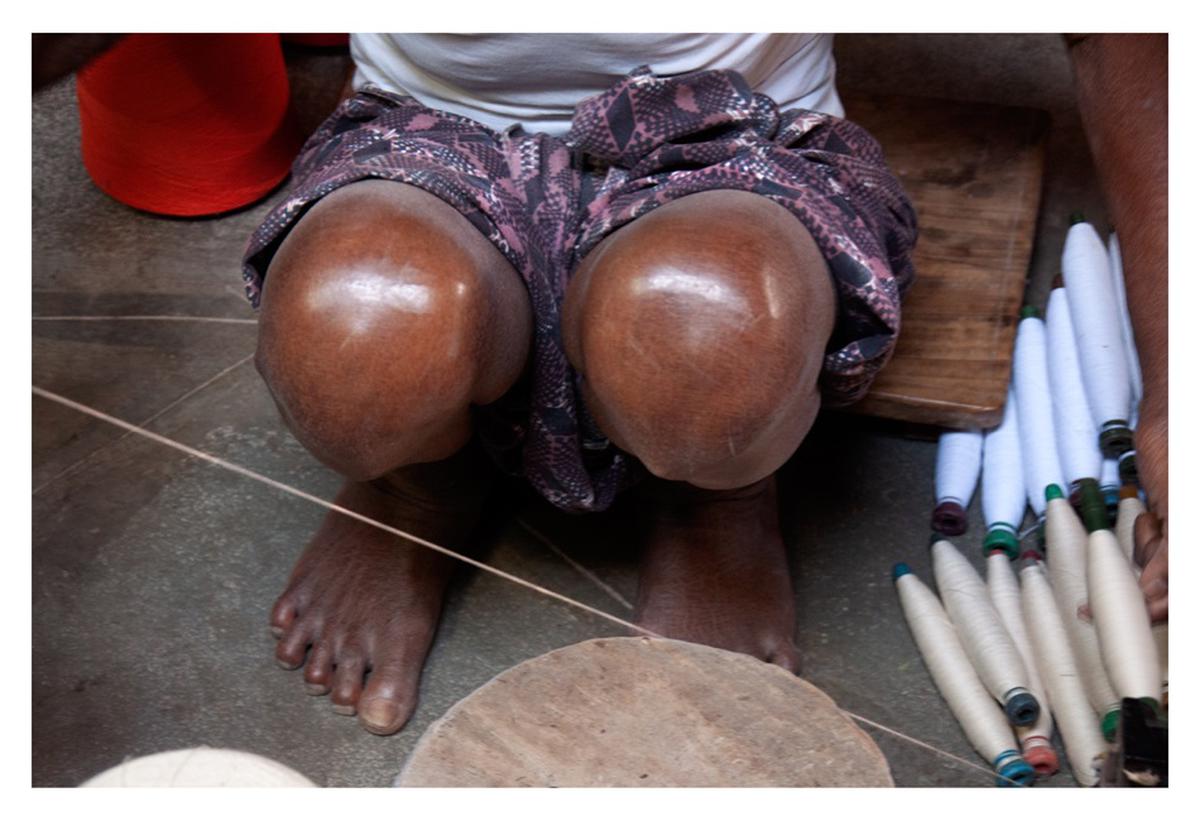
[200, 767]
[626, 712]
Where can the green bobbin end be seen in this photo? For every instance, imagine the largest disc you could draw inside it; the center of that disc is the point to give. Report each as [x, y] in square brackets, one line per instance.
[1053, 492]
[1001, 538]
[1076, 218]
[1108, 725]
[1030, 311]
[1092, 509]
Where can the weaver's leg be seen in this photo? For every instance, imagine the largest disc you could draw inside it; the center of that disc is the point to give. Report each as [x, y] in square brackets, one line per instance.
[385, 315]
[700, 331]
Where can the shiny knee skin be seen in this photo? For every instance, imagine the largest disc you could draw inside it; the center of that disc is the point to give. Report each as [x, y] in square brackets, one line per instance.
[700, 331]
[385, 315]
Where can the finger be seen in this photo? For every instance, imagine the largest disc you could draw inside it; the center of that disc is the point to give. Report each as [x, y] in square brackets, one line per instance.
[1154, 584]
[1147, 536]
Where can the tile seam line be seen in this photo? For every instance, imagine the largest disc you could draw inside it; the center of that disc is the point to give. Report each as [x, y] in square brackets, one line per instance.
[79, 463]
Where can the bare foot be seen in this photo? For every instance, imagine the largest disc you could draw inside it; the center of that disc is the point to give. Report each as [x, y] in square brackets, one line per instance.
[714, 571]
[362, 604]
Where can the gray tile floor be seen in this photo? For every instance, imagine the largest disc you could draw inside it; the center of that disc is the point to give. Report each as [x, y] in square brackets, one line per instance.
[153, 572]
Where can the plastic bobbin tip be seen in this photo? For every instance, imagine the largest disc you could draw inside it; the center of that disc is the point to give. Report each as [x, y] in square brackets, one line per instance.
[900, 569]
[1115, 438]
[1021, 708]
[1053, 492]
[1002, 538]
[1075, 218]
[1040, 754]
[949, 519]
[1108, 724]
[1128, 491]
[1127, 468]
[1013, 771]
[1030, 311]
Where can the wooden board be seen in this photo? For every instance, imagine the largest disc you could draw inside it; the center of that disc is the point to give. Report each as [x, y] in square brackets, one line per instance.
[641, 712]
[974, 174]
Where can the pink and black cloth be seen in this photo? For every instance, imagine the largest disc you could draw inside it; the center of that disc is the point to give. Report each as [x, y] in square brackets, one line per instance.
[544, 202]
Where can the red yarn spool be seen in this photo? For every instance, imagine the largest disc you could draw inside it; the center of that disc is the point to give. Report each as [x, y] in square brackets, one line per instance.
[187, 124]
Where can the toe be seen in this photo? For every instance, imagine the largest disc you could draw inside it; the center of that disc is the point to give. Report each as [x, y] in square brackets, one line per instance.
[283, 615]
[347, 682]
[390, 696]
[786, 656]
[319, 671]
[290, 649]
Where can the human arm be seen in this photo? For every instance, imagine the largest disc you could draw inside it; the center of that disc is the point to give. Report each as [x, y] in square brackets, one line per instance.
[1121, 85]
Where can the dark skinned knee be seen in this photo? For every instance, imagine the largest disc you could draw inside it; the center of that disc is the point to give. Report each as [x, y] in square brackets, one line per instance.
[385, 316]
[700, 331]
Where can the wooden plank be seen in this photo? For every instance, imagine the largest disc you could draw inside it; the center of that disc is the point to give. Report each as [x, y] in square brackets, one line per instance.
[974, 172]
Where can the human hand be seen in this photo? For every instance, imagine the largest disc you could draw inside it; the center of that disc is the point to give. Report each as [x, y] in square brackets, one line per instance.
[1150, 530]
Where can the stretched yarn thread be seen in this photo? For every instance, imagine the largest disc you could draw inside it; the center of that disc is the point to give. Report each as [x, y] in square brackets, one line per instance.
[1097, 322]
[1003, 482]
[981, 719]
[1005, 593]
[1078, 448]
[959, 459]
[1031, 379]
[1055, 660]
[988, 644]
[1066, 562]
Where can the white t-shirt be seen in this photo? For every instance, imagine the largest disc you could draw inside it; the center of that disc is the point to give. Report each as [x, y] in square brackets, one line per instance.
[538, 79]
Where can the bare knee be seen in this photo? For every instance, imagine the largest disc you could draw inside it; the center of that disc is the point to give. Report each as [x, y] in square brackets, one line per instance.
[385, 316]
[700, 332]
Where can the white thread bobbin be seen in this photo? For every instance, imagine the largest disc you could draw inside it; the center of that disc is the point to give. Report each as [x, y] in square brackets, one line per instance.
[1097, 322]
[1117, 271]
[1035, 414]
[1078, 449]
[1128, 509]
[957, 681]
[1005, 593]
[1118, 608]
[1073, 712]
[959, 459]
[1003, 483]
[982, 633]
[200, 767]
[1066, 563]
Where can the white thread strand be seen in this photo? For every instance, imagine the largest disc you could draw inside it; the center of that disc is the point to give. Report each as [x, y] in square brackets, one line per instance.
[226, 320]
[1097, 322]
[171, 443]
[1005, 593]
[1003, 480]
[1117, 271]
[979, 626]
[1122, 620]
[959, 459]
[978, 714]
[75, 465]
[1078, 447]
[1066, 561]
[509, 577]
[1110, 475]
[1076, 720]
[583, 571]
[1031, 380]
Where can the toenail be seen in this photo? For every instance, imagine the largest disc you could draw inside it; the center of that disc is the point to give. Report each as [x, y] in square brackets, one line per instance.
[380, 714]
[344, 709]
[316, 689]
[277, 632]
